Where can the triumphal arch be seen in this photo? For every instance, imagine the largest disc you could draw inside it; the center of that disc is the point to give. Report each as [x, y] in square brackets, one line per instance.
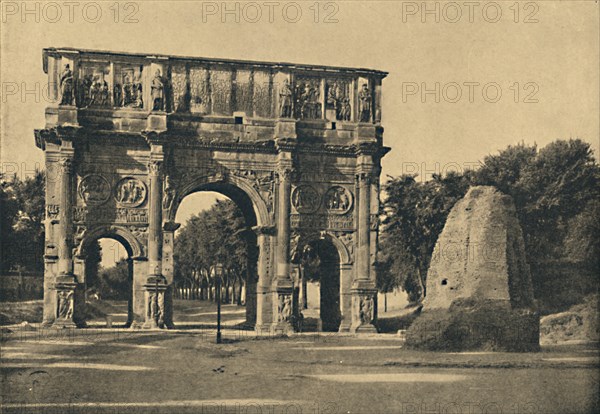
[128, 136]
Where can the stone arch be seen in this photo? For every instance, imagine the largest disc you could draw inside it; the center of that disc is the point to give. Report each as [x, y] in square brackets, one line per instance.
[257, 215]
[227, 185]
[133, 246]
[344, 253]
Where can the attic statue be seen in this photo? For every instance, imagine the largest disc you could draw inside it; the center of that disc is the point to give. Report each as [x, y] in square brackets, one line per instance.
[66, 86]
[157, 87]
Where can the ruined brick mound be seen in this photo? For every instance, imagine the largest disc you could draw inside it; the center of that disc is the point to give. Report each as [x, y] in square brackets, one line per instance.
[479, 293]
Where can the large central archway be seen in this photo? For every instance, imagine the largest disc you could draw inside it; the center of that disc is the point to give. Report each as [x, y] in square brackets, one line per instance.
[244, 204]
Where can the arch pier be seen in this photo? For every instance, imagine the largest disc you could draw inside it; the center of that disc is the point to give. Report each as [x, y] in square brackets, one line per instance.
[297, 147]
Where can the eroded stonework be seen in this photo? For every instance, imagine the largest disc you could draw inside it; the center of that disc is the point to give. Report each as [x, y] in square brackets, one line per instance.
[136, 134]
[479, 291]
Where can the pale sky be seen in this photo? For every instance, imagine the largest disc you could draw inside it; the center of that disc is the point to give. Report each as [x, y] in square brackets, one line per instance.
[555, 59]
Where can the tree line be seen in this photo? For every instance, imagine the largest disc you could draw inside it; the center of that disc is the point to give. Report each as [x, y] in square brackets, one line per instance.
[218, 235]
[556, 192]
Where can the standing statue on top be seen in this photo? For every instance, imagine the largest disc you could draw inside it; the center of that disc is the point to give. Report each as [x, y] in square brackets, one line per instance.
[364, 98]
[157, 87]
[66, 86]
[285, 100]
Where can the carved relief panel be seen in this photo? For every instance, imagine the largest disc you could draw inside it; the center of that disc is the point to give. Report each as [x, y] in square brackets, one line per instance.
[179, 88]
[338, 200]
[94, 189]
[262, 94]
[199, 90]
[307, 98]
[243, 92]
[220, 87]
[128, 88]
[322, 206]
[94, 85]
[305, 199]
[130, 192]
[337, 102]
[363, 309]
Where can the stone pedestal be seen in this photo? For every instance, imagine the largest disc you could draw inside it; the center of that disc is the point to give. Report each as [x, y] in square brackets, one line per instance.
[157, 121]
[62, 115]
[66, 289]
[283, 308]
[285, 128]
[363, 308]
[155, 288]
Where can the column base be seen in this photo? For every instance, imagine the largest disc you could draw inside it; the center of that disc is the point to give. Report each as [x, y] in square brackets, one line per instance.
[344, 327]
[283, 308]
[64, 324]
[363, 307]
[363, 328]
[152, 325]
[66, 286]
[155, 288]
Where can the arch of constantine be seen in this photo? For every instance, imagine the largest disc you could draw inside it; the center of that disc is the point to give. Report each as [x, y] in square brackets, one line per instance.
[296, 147]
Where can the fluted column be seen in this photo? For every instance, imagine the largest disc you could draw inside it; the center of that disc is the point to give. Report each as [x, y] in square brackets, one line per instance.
[66, 282]
[364, 226]
[65, 254]
[155, 283]
[282, 286]
[155, 218]
[363, 288]
[283, 225]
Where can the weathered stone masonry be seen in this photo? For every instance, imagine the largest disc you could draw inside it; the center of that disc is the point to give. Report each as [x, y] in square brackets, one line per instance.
[297, 147]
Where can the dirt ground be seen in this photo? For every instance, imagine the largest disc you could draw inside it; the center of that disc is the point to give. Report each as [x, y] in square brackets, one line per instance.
[185, 371]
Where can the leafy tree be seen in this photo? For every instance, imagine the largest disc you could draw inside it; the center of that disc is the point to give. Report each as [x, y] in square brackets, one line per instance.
[556, 191]
[550, 187]
[213, 236]
[414, 216]
[22, 223]
[113, 282]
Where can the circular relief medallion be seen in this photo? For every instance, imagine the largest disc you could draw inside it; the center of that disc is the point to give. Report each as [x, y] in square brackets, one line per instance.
[130, 192]
[338, 200]
[305, 199]
[94, 189]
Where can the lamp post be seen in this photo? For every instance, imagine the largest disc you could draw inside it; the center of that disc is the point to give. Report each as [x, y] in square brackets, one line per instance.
[218, 273]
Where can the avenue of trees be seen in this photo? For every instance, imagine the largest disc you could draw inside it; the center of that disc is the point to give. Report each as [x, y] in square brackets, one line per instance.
[217, 235]
[556, 192]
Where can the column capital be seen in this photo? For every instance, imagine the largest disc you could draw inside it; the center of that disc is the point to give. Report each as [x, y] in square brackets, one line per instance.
[155, 167]
[66, 165]
[285, 172]
[170, 226]
[364, 177]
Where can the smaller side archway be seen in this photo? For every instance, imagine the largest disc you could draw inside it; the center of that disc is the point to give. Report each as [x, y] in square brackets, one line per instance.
[136, 266]
[335, 268]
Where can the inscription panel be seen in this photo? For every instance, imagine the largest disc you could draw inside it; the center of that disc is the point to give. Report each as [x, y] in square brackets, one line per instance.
[322, 221]
[105, 215]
